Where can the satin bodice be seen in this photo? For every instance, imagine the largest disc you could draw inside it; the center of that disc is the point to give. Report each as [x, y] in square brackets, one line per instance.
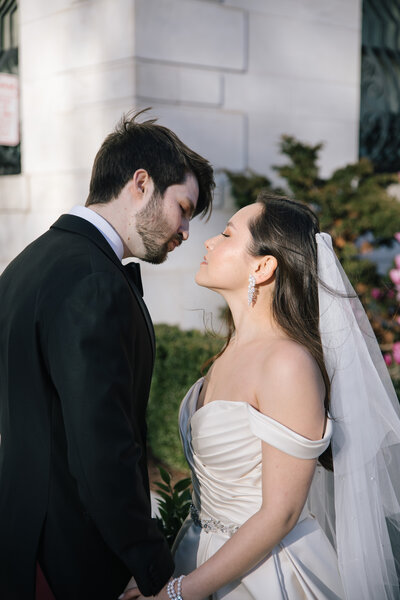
[222, 444]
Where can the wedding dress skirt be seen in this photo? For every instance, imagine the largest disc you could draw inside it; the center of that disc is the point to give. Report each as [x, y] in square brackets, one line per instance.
[222, 444]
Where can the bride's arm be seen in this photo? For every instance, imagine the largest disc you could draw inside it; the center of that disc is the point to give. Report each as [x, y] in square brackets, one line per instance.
[289, 391]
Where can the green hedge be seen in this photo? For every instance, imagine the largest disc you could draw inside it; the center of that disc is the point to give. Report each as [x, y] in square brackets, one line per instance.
[180, 355]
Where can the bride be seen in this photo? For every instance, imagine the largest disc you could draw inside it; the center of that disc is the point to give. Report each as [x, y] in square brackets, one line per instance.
[293, 435]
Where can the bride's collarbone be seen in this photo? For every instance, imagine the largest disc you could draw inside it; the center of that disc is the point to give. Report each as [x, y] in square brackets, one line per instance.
[233, 386]
[240, 372]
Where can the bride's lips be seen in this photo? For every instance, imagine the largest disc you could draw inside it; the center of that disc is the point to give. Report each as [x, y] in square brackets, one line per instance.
[204, 262]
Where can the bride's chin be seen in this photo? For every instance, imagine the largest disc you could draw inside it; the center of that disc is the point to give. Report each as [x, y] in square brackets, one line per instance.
[201, 280]
[199, 277]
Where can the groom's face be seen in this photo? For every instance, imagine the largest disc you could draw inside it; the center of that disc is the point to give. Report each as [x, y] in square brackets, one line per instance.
[163, 224]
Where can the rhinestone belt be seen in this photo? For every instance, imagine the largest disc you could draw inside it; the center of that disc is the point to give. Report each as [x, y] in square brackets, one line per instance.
[211, 524]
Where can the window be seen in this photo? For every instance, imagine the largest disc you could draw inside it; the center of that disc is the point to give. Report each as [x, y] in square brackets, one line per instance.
[10, 153]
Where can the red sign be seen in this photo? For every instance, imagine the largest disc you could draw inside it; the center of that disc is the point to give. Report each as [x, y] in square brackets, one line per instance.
[9, 109]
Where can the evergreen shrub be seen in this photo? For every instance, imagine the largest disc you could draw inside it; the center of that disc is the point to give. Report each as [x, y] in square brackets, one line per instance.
[179, 358]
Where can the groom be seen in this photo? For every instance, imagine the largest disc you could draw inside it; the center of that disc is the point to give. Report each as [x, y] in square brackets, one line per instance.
[76, 358]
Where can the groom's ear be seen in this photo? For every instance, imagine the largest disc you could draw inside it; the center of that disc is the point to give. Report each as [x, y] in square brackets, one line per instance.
[265, 270]
[141, 187]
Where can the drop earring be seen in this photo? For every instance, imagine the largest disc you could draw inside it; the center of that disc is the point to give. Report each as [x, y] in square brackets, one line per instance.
[251, 291]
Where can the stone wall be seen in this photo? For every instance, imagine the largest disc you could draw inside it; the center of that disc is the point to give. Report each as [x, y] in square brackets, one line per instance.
[229, 77]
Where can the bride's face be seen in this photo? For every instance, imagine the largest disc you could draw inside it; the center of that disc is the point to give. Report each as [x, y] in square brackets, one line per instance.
[227, 263]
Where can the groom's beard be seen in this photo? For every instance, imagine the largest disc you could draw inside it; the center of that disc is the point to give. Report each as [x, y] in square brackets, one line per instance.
[154, 230]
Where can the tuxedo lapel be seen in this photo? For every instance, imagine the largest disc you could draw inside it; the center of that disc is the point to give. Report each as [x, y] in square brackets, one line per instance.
[80, 226]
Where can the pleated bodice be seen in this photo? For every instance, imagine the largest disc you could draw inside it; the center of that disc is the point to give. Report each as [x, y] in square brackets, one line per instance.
[222, 444]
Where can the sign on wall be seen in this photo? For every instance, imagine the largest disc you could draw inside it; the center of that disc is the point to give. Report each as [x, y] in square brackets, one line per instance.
[9, 110]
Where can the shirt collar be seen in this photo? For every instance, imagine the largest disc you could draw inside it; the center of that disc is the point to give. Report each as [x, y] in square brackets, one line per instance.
[103, 226]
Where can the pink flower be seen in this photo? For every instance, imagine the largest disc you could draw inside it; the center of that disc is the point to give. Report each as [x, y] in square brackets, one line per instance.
[388, 359]
[396, 352]
[397, 261]
[394, 275]
[397, 319]
[397, 236]
[376, 293]
[390, 294]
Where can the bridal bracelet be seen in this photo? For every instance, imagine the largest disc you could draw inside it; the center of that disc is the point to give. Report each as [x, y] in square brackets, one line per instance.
[172, 594]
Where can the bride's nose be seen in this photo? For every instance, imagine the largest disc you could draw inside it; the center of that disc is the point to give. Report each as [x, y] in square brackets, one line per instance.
[208, 243]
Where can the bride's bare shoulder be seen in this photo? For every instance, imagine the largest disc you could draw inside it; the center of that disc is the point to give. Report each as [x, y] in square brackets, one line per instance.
[290, 387]
[285, 356]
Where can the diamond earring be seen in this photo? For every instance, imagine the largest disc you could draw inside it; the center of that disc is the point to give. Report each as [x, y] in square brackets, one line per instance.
[251, 291]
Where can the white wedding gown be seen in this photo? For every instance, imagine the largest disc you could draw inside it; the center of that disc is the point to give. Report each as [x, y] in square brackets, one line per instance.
[222, 444]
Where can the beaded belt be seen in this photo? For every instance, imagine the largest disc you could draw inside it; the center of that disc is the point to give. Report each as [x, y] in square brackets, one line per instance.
[211, 524]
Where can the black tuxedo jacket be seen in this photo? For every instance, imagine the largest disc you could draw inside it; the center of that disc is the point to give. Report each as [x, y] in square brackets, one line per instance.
[76, 359]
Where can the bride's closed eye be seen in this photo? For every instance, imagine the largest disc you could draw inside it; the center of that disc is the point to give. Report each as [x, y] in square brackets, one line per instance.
[224, 234]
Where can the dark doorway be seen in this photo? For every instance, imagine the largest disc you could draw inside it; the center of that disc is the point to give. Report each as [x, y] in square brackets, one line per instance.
[380, 84]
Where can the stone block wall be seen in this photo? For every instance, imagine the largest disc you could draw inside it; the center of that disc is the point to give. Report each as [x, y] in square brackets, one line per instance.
[228, 76]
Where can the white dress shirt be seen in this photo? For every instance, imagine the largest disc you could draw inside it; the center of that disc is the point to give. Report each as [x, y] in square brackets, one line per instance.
[103, 226]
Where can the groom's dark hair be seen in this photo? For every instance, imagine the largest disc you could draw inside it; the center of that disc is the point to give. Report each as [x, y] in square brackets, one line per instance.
[167, 160]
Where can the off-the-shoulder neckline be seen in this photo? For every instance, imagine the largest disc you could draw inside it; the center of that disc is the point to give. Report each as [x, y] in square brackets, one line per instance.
[257, 413]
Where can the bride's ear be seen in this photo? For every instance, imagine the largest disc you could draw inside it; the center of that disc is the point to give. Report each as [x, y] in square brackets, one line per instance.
[265, 270]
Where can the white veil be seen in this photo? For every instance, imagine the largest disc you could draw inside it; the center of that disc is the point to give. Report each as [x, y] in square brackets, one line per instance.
[358, 505]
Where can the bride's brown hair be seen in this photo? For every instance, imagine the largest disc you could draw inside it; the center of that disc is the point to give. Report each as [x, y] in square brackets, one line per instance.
[286, 230]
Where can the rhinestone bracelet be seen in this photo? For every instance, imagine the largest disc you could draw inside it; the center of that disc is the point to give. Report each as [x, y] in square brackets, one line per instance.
[172, 594]
[211, 524]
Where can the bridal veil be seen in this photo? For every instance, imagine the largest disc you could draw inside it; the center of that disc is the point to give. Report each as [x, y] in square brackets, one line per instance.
[358, 505]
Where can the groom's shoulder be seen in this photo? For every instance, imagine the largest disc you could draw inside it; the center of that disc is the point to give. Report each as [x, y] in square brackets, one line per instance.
[75, 257]
[59, 259]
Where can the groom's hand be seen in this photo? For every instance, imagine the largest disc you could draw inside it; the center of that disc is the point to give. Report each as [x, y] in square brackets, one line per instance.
[162, 595]
[131, 593]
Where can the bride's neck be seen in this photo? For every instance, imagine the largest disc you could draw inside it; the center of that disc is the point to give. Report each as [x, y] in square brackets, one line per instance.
[252, 322]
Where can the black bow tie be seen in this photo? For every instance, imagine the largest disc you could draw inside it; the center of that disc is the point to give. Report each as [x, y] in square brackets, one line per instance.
[132, 269]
